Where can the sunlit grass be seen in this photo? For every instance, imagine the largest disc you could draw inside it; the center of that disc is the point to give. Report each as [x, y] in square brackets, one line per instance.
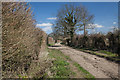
[60, 66]
[85, 72]
[108, 53]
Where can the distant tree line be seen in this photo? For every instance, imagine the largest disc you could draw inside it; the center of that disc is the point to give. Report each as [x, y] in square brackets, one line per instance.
[109, 41]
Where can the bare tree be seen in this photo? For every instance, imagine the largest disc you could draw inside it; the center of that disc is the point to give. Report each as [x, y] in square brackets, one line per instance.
[71, 18]
[85, 19]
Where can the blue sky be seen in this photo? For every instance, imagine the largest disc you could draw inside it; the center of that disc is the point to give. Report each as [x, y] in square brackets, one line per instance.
[106, 14]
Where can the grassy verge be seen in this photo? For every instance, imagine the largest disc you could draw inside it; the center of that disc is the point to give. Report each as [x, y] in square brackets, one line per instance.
[60, 68]
[86, 73]
[108, 53]
[105, 54]
[50, 44]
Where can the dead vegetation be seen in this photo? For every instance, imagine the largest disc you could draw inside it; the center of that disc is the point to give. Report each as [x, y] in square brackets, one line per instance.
[22, 42]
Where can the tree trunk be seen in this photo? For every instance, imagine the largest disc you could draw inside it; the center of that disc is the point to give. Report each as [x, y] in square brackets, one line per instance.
[71, 38]
[84, 30]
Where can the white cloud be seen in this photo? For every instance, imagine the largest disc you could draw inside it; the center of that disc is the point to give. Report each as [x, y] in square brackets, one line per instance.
[98, 26]
[114, 22]
[113, 27]
[47, 29]
[94, 26]
[44, 24]
[52, 18]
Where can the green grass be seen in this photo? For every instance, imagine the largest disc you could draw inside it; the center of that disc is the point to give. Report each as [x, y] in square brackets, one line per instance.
[23, 77]
[60, 68]
[108, 53]
[86, 73]
[105, 54]
[50, 44]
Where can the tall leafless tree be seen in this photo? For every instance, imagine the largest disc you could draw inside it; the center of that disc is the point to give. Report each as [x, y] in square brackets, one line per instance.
[71, 18]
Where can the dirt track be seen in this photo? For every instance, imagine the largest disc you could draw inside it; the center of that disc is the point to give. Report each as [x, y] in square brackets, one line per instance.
[99, 67]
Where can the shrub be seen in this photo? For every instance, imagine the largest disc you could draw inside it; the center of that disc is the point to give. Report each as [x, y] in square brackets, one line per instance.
[109, 42]
[21, 40]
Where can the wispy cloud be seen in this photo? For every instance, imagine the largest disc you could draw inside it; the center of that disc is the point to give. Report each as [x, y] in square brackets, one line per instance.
[52, 18]
[113, 27]
[114, 22]
[98, 26]
[44, 24]
[94, 26]
[47, 27]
